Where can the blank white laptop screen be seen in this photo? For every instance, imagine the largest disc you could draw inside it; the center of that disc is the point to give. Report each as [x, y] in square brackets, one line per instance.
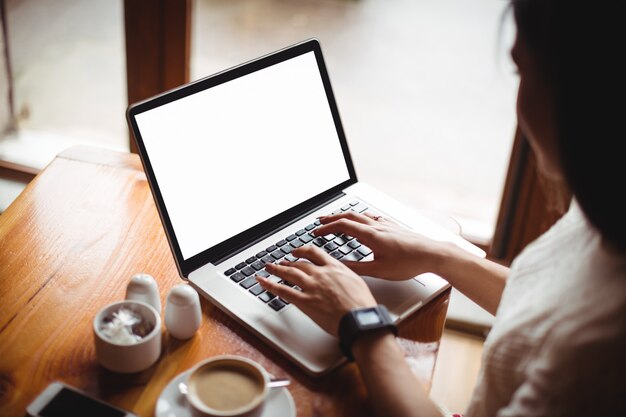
[234, 155]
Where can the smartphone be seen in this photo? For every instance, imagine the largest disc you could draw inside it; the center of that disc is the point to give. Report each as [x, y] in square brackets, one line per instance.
[62, 400]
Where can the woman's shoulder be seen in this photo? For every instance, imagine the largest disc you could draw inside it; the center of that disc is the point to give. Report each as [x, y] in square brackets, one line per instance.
[570, 246]
[567, 233]
[566, 282]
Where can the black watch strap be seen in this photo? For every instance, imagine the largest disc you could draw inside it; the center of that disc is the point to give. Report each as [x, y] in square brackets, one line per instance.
[363, 320]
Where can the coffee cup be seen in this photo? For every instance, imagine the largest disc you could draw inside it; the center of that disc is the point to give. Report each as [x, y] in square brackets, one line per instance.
[227, 386]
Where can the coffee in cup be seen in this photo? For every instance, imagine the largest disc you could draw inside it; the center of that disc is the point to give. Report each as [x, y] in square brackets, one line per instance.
[227, 385]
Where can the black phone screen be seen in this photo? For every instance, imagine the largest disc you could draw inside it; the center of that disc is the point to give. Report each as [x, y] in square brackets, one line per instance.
[68, 402]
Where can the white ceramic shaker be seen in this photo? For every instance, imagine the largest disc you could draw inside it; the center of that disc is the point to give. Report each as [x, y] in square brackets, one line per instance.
[183, 313]
[143, 287]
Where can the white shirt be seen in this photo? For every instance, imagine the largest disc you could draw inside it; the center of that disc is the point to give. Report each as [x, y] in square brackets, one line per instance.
[558, 344]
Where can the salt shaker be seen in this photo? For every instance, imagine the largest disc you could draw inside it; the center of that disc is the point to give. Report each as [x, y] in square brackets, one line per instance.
[143, 287]
[182, 311]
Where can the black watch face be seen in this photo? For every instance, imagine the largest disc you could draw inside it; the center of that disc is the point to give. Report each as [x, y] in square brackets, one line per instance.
[368, 317]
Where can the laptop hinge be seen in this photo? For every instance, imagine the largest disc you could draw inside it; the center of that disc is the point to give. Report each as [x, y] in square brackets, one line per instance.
[282, 226]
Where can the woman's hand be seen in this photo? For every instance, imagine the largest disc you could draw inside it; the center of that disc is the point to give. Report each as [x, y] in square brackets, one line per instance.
[398, 252]
[329, 288]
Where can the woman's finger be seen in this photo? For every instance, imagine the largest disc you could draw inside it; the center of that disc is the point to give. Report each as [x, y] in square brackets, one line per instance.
[361, 231]
[313, 254]
[290, 274]
[350, 215]
[285, 292]
[377, 218]
[373, 216]
[306, 267]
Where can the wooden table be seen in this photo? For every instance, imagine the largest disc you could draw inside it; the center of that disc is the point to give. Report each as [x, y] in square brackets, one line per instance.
[69, 244]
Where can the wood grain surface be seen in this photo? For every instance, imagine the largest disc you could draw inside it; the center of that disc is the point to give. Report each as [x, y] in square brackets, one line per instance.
[68, 246]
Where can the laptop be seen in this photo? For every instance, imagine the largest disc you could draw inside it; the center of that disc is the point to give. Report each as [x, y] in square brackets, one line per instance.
[240, 165]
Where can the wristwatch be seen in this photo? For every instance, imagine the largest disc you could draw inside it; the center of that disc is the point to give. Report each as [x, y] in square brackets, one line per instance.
[362, 320]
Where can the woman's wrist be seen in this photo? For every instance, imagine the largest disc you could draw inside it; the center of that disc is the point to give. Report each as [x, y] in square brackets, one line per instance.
[441, 258]
[451, 260]
[480, 279]
[367, 344]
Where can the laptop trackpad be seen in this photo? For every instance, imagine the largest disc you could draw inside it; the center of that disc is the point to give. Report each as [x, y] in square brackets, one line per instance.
[401, 297]
[305, 340]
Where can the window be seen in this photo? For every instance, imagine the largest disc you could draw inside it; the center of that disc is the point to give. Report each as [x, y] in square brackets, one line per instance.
[68, 78]
[426, 90]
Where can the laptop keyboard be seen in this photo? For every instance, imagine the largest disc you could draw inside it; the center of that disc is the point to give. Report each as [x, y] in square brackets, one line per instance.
[339, 246]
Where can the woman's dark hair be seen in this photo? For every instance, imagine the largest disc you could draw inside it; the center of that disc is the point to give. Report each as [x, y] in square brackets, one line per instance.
[579, 47]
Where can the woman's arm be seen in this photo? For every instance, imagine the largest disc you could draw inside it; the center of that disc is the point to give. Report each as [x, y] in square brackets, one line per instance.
[479, 279]
[393, 388]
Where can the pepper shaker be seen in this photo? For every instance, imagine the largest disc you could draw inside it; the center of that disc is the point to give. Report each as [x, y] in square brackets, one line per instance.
[183, 314]
[143, 287]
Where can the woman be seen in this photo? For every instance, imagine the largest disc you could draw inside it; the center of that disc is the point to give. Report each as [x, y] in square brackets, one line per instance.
[558, 344]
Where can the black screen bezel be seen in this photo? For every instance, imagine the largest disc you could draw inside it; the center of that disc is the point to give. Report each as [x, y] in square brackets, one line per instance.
[222, 249]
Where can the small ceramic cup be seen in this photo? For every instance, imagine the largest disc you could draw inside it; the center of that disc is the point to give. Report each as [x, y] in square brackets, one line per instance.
[183, 314]
[227, 386]
[143, 287]
[134, 357]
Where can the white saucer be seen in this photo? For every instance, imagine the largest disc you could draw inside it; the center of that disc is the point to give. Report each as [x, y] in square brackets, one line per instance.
[172, 403]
